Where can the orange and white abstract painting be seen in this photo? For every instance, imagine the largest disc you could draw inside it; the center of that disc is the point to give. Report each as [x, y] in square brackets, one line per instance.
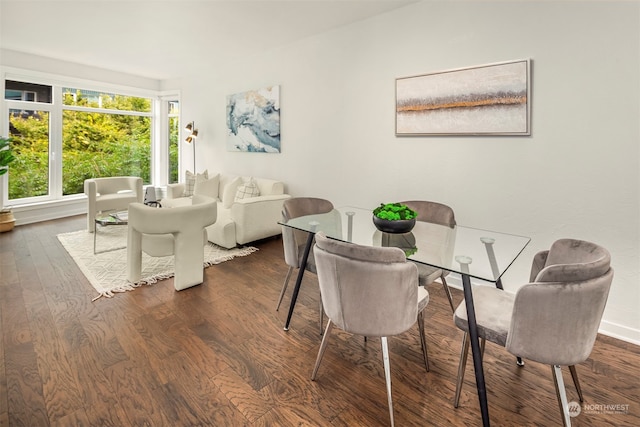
[482, 100]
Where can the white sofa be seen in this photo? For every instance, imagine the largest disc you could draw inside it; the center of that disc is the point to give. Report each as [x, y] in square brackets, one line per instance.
[241, 218]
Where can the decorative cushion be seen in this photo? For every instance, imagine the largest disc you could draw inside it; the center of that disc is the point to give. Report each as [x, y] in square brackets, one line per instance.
[229, 192]
[190, 182]
[247, 189]
[207, 187]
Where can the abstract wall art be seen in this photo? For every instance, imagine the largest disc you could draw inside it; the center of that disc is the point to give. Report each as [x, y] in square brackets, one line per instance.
[491, 99]
[253, 121]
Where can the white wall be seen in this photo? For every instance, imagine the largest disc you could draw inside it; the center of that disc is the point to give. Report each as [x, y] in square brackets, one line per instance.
[576, 176]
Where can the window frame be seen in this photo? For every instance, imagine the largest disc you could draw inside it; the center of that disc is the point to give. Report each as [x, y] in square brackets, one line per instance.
[159, 139]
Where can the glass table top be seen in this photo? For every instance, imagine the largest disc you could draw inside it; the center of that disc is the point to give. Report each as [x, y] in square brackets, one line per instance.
[482, 254]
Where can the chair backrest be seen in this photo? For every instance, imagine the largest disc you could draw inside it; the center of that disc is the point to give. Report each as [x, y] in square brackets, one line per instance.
[432, 212]
[292, 239]
[555, 319]
[366, 290]
[114, 184]
[571, 260]
[201, 213]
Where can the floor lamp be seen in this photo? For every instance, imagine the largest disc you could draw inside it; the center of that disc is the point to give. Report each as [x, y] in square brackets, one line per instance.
[191, 139]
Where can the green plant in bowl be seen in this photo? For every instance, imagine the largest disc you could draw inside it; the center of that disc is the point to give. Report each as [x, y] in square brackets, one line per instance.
[394, 212]
[394, 218]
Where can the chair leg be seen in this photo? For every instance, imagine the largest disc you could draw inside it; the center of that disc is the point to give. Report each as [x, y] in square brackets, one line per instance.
[576, 382]
[323, 347]
[423, 340]
[321, 315]
[466, 340]
[387, 375]
[447, 291]
[284, 287]
[562, 395]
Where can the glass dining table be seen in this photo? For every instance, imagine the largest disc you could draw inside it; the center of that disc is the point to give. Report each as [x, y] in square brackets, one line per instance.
[475, 254]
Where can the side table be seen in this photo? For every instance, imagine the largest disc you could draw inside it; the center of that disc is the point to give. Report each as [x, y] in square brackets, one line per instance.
[106, 219]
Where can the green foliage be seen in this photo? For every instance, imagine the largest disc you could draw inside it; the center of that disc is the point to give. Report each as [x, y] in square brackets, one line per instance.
[94, 144]
[174, 139]
[6, 155]
[394, 211]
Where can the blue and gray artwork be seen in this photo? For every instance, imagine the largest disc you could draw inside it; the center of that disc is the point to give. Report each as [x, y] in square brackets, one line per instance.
[253, 121]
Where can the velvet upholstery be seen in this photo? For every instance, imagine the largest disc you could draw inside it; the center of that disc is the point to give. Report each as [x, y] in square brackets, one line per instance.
[370, 291]
[110, 194]
[367, 290]
[552, 320]
[435, 213]
[294, 241]
[573, 287]
[179, 231]
[493, 313]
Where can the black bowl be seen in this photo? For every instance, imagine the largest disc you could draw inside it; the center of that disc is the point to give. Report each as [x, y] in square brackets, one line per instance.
[397, 226]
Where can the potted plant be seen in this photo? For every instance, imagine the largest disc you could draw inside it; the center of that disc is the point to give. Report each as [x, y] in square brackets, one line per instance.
[394, 218]
[7, 221]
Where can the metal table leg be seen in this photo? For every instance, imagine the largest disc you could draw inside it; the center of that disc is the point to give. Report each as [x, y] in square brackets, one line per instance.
[475, 349]
[296, 289]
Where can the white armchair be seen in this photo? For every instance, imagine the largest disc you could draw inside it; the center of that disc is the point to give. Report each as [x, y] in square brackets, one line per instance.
[178, 231]
[112, 193]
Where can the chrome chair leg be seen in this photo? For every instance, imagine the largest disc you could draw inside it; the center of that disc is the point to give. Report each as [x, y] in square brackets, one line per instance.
[447, 291]
[461, 368]
[562, 395]
[423, 340]
[387, 375]
[284, 287]
[576, 382]
[321, 316]
[323, 347]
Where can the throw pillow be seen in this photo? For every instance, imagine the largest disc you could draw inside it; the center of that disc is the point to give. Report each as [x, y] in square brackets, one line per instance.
[207, 187]
[190, 182]
[229, 194]
[247, 189]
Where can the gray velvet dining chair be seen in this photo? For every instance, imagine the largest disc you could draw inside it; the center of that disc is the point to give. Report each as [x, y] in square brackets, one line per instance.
[369, 291]
[435, 213]
[294, 241]
[554, 319]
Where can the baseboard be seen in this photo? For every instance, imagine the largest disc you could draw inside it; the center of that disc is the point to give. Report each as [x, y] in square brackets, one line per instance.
[620, 332]
[46, 211]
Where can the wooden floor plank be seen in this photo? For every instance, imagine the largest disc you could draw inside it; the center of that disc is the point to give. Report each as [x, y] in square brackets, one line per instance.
[217, 355]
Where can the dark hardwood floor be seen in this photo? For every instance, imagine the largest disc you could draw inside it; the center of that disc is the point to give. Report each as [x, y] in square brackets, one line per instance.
[216, 355]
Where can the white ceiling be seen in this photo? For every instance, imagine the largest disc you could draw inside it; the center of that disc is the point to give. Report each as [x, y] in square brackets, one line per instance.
[156, 39]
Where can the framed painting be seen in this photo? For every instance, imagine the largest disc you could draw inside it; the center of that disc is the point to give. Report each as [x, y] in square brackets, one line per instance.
[253, 121]
[491, 99]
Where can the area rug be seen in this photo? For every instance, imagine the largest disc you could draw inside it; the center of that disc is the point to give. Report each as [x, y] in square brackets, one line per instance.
[107, 270]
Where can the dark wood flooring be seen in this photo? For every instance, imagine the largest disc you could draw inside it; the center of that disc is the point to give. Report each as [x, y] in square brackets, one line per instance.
[217, 355]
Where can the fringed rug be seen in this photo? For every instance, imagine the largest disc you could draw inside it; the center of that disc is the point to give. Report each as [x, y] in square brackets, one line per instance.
[107, 270]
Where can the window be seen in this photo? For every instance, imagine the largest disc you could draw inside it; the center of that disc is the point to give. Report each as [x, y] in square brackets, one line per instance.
[174, 139]
[104, 134]
[29, 173]
[64, 134]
